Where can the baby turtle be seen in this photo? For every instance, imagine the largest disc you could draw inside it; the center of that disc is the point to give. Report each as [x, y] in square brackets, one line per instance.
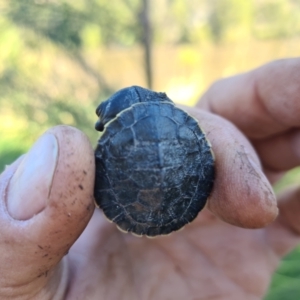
[154, 165]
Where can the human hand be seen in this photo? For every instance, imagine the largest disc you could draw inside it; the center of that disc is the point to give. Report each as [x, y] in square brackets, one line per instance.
[46, 200]
[208, 259]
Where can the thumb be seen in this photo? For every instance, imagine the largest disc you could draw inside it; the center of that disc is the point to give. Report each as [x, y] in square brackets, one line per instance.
[46, 201]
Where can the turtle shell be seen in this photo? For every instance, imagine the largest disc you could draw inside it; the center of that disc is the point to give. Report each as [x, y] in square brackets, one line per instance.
[154, 169]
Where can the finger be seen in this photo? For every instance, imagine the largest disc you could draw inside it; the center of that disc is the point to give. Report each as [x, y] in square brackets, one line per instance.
[260, 103]
[45, 203]
[242, 195]
[284, 234]
[281, 152]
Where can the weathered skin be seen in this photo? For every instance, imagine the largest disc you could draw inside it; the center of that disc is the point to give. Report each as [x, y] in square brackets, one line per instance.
[155, 168]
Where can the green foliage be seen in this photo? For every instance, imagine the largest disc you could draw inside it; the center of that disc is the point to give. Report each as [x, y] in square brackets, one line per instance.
[193, 21]
[230, 19]
[10, 151]
[277, 19]
[64, 23]
[285, 284]
[60, 23]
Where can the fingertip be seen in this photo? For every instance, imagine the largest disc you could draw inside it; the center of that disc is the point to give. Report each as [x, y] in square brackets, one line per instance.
[70, 203]
[244, 206]
[73, 183]
[242, 195]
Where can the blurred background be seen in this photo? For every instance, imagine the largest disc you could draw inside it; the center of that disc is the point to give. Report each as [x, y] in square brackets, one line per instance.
[60, 58]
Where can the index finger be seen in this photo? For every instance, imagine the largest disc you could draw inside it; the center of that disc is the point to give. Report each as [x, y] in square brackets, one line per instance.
[261, 103]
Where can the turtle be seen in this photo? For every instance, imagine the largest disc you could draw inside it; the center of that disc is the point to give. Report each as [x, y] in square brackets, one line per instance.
[154, 164]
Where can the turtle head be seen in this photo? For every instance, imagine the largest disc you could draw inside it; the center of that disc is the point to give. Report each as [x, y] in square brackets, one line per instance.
[123, 99]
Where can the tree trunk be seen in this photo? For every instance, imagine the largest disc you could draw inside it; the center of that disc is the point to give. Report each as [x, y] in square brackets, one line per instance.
[147, 41]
